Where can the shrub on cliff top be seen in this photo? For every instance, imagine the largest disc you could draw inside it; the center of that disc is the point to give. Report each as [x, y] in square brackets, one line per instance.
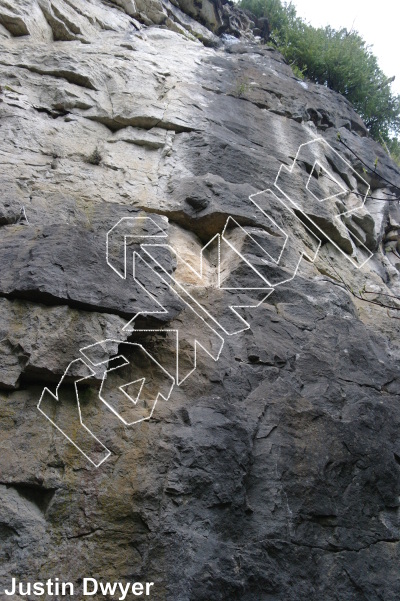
[339, 59]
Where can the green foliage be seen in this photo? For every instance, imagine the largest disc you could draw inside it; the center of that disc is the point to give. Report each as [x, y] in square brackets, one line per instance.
[280, 16]
[241, 87]
[339, 59]
[393, 148]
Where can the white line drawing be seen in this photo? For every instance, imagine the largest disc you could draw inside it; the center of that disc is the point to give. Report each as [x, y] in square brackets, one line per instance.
[331, 177]
[151, 250]
[193, 303]
[22, 215]
[119, 362]
[211, 332]
[56, 397]
[197, 344]
[126, 227]
[290, 170]
[311, 256]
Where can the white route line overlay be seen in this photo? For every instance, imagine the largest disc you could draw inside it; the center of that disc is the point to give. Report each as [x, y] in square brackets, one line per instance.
[344, 213]
[55, 395]
[131, 223]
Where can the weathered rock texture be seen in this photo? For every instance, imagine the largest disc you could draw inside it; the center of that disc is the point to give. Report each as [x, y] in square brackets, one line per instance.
[271, 474]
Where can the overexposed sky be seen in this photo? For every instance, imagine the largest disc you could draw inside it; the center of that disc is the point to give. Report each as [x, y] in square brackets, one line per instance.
[377, 22]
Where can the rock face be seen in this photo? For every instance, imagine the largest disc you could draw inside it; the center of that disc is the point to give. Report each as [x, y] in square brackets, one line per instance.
[270, 469]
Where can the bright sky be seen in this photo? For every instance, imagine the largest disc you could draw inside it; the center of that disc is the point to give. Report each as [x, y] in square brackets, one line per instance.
[377, 22]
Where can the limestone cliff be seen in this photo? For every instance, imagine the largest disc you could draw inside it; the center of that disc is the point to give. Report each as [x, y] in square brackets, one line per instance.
[269, 470]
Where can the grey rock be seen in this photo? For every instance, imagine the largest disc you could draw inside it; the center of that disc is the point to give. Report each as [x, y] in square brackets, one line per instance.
[272, 471]
[46, 354]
